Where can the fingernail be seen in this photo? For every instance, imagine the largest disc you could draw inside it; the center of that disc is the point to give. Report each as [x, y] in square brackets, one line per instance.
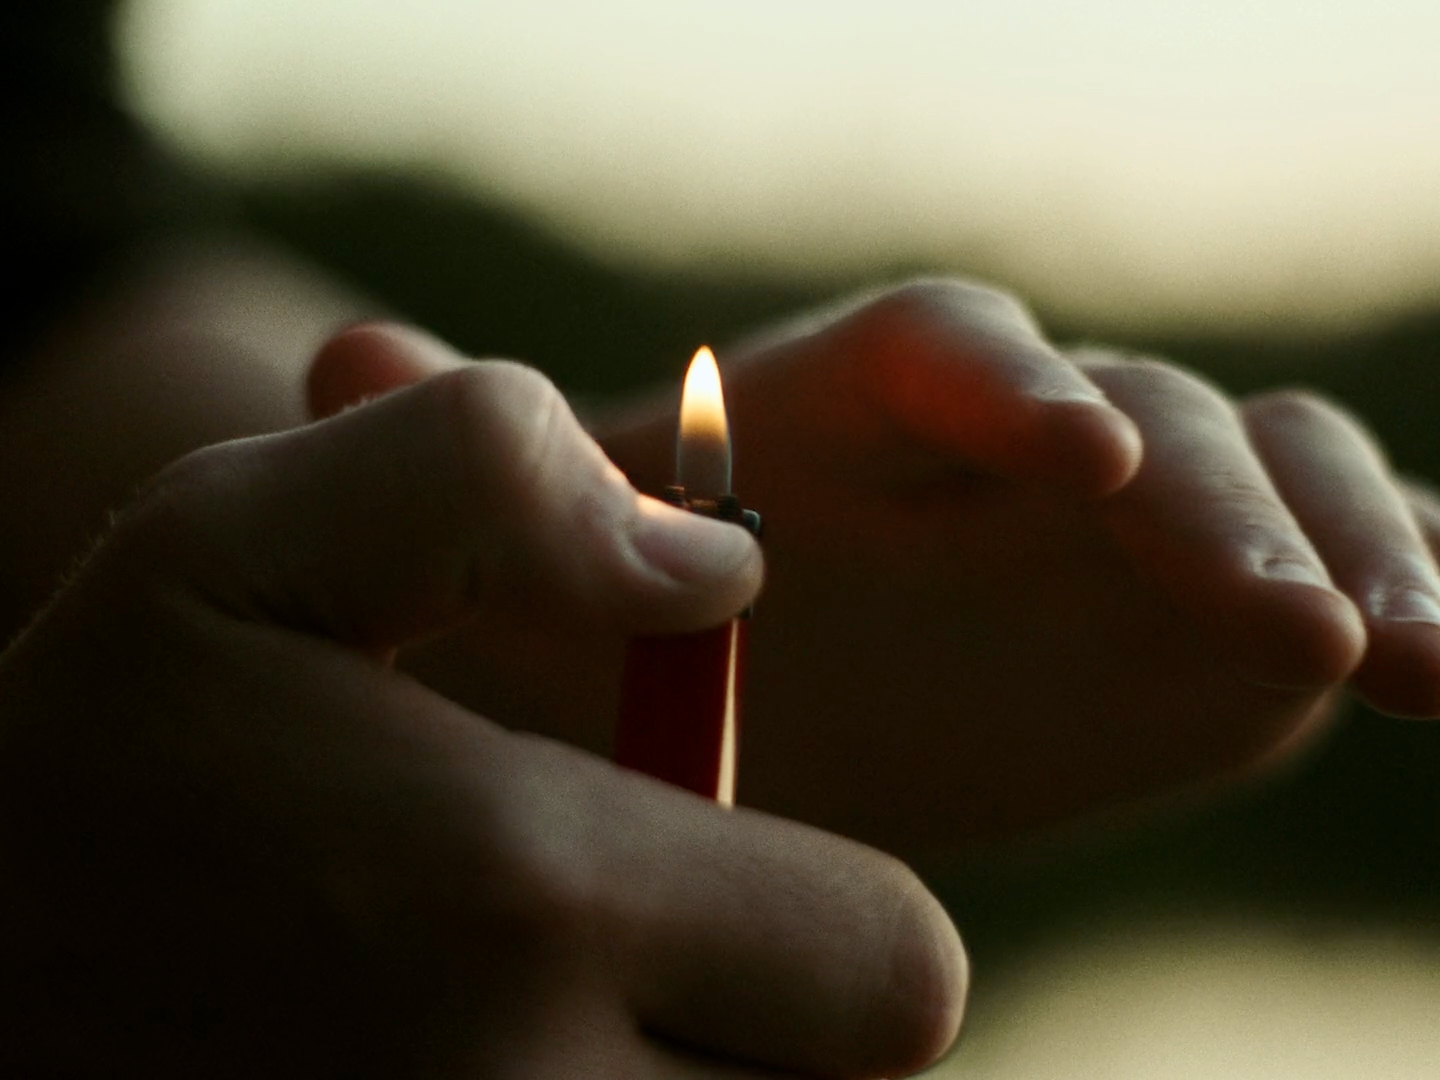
[688, 547]
[1409, 605]
[1284, 568]
[1070, 395]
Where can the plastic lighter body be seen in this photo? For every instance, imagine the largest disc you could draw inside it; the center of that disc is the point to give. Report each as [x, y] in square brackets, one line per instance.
[679, 709]
[680, 695]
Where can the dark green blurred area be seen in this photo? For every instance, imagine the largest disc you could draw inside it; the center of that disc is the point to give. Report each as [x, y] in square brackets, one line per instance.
[495, 285]
[1346, 836]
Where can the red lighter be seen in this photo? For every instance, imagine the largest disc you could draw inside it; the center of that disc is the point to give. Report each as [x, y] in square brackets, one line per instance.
[680, 694]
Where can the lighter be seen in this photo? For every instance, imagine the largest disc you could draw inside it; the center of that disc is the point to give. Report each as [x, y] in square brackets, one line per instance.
[680, 694]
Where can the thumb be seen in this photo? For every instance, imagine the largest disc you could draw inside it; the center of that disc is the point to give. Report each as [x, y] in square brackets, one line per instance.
[473, 491]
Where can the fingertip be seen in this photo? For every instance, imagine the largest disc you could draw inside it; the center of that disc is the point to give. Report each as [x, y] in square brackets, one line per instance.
[925, 1001]
[1088, 446]
[1401, 672]
[1297, 636]
[369, 359]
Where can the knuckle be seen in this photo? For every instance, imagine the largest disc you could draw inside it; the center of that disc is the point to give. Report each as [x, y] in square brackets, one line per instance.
[929, 320]
[1298, 406]
[1255, 508]
[500, 399]
[539, 509]
[181, 513]
[1161, 378]
[1160, 386]
[1308, 417]
[531, 856]
[500, 422]
[552, 893]
[922, 304]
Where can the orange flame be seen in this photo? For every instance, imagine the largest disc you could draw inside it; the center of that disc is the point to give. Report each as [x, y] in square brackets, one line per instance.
[702, 402]
[703, 453]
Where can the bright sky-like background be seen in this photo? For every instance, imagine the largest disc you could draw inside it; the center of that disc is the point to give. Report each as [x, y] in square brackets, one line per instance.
[1231, 161]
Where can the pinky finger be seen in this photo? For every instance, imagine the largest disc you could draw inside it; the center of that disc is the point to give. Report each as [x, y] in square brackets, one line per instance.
[1339, 486]
[1425, 506]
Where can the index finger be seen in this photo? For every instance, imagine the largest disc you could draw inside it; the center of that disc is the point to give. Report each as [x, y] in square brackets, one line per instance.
[476, 489]
[965, 372]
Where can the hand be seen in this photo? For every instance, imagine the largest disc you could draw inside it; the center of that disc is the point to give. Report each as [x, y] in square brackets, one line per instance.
[998, 597]
[236, 843]
[1005, 585]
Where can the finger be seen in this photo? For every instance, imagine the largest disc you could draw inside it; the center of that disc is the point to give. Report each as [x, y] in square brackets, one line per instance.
[371, 359]
[965, 371]
[1204, 521]
[1424, 503]
[475, 489]
[802, 952]
[757, 940]
[1336, 481]
[728, 938]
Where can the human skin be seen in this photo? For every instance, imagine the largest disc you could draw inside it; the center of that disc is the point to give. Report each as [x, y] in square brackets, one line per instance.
[193, 341]
[904, 565]
[993, 601]
[237, 843]
[1008, 586]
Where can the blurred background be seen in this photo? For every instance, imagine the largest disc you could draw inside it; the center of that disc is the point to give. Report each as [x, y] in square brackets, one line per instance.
[1122, 162]
[1252, 188]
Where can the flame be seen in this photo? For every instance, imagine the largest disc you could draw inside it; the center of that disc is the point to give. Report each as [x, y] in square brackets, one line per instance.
[702, 402]
[702, 453]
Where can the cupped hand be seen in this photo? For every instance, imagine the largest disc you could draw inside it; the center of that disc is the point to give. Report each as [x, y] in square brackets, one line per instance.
[237, 843]
[1007, 584]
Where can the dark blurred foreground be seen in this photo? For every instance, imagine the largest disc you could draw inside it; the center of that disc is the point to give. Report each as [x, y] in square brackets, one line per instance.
[1350, 835]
